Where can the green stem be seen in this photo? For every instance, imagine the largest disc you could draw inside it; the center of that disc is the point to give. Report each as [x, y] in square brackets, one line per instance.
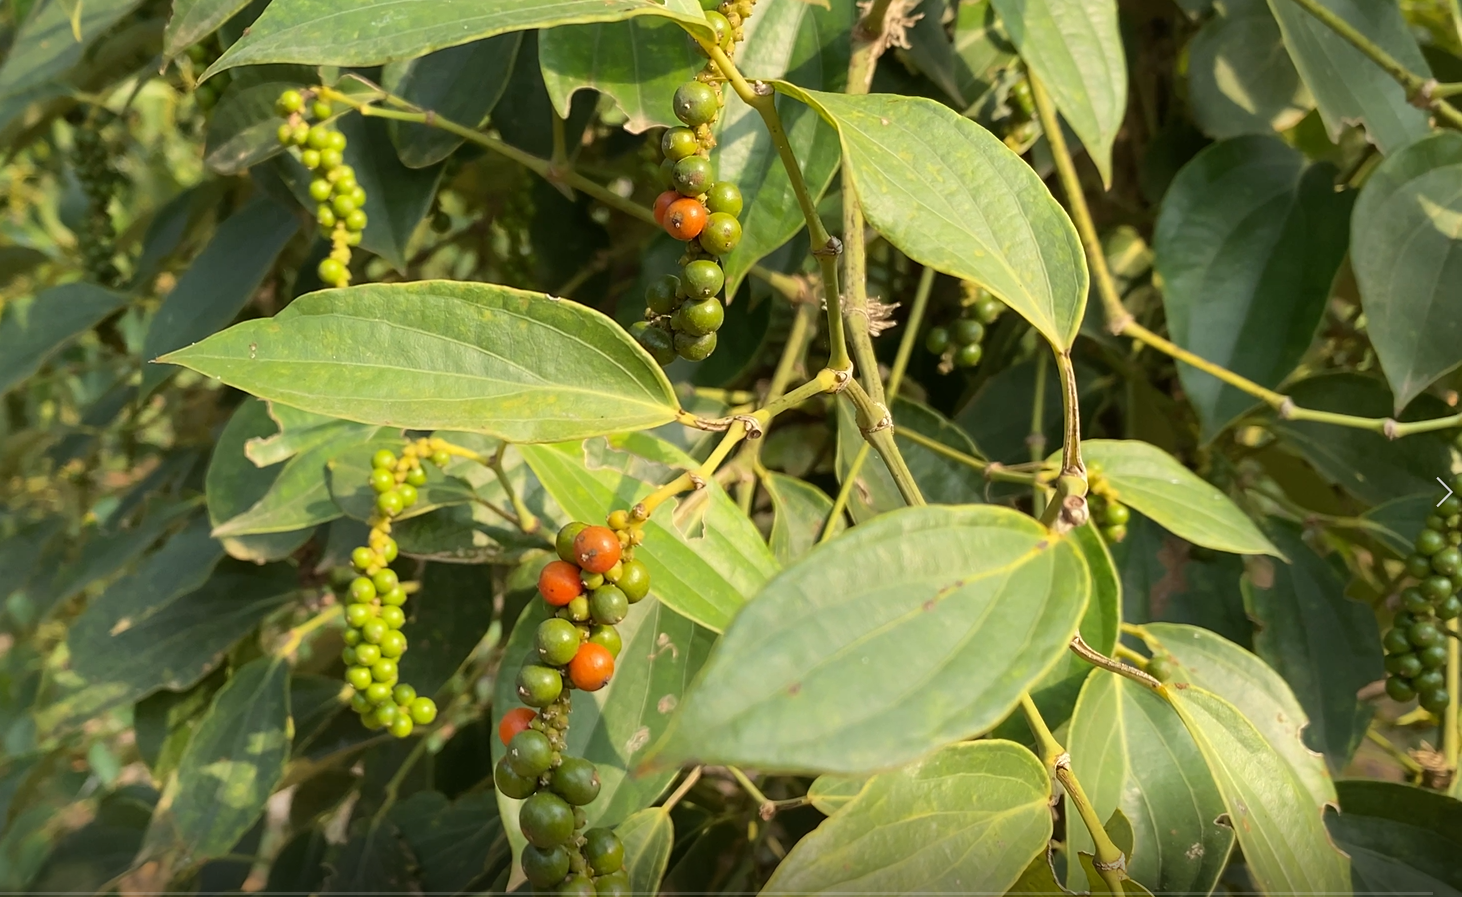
[793, 355]
[911, 332]
[825, 248]
[1451, 725]
[527, 522]
[877, 426]
[1036, 441]
[991, 471]
[1110, 861]
[1400, 756]
[766, 808]
[845, 492]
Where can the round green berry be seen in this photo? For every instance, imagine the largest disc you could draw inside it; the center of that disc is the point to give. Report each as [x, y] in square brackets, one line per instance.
[695, 103]
[724, 197]
[634, 580]
[969, 355]
[402, 725]
[608, 605]
[701, 317]
[318, 137]
[356, 615]
[1449, 607]
[691, 176]
[607, 636]
[577, 886]
[417, 477]
[1160, 668]
[291, 102]
[336, 142]
[285, 135]
[603, 850]
[384, 580]
[331, 271]
[408, 494]
[663, 173]
[342, 205]
[721, 235]
[393, 616]
[576, 781]
[1429, 542]
[1428, 680]
[1415, 601]
[657, 341]
[1434, 700]
[372, 631]
[702, 279]
[362, 589]
[319, 189]
[358, 677]
[615, 884]
[1399, 690]
[988, 309]
[546, 819]
[330, 158]
[310, 159]
[351, 637]
[510, 783]
[423, 710]
[1432, 658]
[367, 654]
[1436, 588]
[695, 348]
[384, 670]
[660, 296]
[578, 609]
[557, 641]
[1395, 640]
[721, 26]
[356, 222]
[966, 331]
[677, 143]
[545, 868]
[403, 694]
[390, 503]
[321, 109]
[539, 686]
[1404, 665]
[360, 703]
[1418, 566]
[378, 693]
[530, 753]
[1450, 506]
[936, 340]
[382, 480]
[563, 543]
[1424, 634]
[1447, 561]
[386, 714]
[392, 644]
[362, 557]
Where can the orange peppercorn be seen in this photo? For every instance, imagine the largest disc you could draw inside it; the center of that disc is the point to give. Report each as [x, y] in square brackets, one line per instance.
[514, 721]
[662, 203]
[596, 548]
[591, 667]
[685, 218]
[559, 583]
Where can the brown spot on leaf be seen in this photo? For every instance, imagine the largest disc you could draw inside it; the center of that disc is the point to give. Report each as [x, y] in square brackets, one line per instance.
[930, 604]
[794, 688]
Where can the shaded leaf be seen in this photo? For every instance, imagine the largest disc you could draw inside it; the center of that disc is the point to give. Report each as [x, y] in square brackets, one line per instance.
[1132, 755]
[300, 497]
[932, 52]
[648, 837]
[87, 859]
[219, 282]
[930, 622]
[637, 62]
[1398, 522]
[350, 487]
[1247, 244]
[193, 20]
[1347, 86]
[243, 129]
[375, 860]
[1240, 78]
[1407, 234]
[445, 355]
[1150, 480]
[800, 511]
[1400, 839]
[45, 46]
[320, 32]
[461, 84]
[939, 477]
[1075, 49]
[30, 333]
[967, 819]
[949, 194]
[455, 843]
[446, 622]
[299, 431]
[397, 197]
[231, 766]
[234, 484]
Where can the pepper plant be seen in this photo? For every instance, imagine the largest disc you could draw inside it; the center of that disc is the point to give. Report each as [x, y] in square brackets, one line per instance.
[699, 446]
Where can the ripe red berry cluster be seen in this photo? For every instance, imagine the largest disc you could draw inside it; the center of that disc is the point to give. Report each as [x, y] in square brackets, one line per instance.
[341, 210]
[682, 314]
[1416, 644]
[590, 587]
[91, 159]
[959, 343]
[374, 642]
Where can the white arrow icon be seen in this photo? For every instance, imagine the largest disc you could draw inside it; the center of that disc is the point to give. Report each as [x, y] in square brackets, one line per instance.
[1446, 487]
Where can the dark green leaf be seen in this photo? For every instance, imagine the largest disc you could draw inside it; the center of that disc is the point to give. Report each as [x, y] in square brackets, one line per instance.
[1165, 578]
[22, 551]
[397, 197]
[830, 793]
[1400, 839]
[455, 843]
[1131, 754]
[648, 837]
[637, 62]
[940, 478]
[1348, 87]
[445, 355]
[1243, 680]
[127, 649]
[1326, 646]
[983, 49]
[446, 621]
[231, 766]
[349, 476]
[922, 626]
[321, 32]
[299, 865]
[31, 332]
[1368, 465]
[1076, 51]
[1398, 522]
[1407, 232]
[88, 859]
[800, 511]
[234, 484]
[45, 47]
[193, 20]
[1247, 244]
[808, 46]
[1240, 78]
[1153, 482]
[164, 722]
[949, 194]
[461, 84]
[998, 416]
[968, 819]
[1279, 828]
[932, 51]
[219, 283]
[299, 431]
[300, 497]
[243, 130]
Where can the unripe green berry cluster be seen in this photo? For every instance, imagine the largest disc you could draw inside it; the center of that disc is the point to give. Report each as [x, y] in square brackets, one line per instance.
[374, 616]
[202, 55]
[590, 588]
[726, 18]
[960, 343]
[1416, 643]
[91, 157]
[1108, 513]
[1020, 127]
[341, 210]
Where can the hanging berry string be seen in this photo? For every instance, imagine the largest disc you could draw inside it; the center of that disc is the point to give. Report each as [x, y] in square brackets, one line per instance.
[959, 344]
[683, 313]
[91, 158]
[374, 642]
[1416, 644]
[589, 589]
[341, 210]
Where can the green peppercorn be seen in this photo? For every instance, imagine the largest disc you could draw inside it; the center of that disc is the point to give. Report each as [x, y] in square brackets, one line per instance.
[557, 641]
[1399, 690]
[695, 103]
[546, 820]
[576, 781]
[677, 143]
[603, 850]
[529, 753]
[695, 348]
[510, 783]
[545, 868]
[702, 279]
[936, 340]
[721, 235]
[660, 297]
[724, 197]
[700, 318]
[969, 355]
[539, 686]
[634, 580]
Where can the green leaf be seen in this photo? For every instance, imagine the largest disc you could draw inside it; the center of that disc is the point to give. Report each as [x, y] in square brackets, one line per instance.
[1400, 839]
[647, 837]
[968, 819]
[932, 52]
[800, 511]
[1325, 645]
[920, 627]
[30, 333]
[375, 860]
[1398, 522]
[299, 431]
[703, 578]
[613, 727]
[350, 487]
[949, 194]
[143, 640]
[87, 859]
[940, 477]
[455, 843]
[1151, 481]
[234, 484]
[461, 84]
[1407, 230]
[1240, 77]
[1233, 674]
[397, 197]
[231, 766]
[1075, 48]
[1247, 244]
[830, 793]
[806, 45]
[45, 47]
[1348, 87]
[221, 280]
[982, 47]
[300, 497]
[320, 32]
[193, 20]
[445, 355]
[243, 130]
[1166, 579]
[637, 62]
[445, 624]
[1279, 828]
[1131, 754]
[1367, 465]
